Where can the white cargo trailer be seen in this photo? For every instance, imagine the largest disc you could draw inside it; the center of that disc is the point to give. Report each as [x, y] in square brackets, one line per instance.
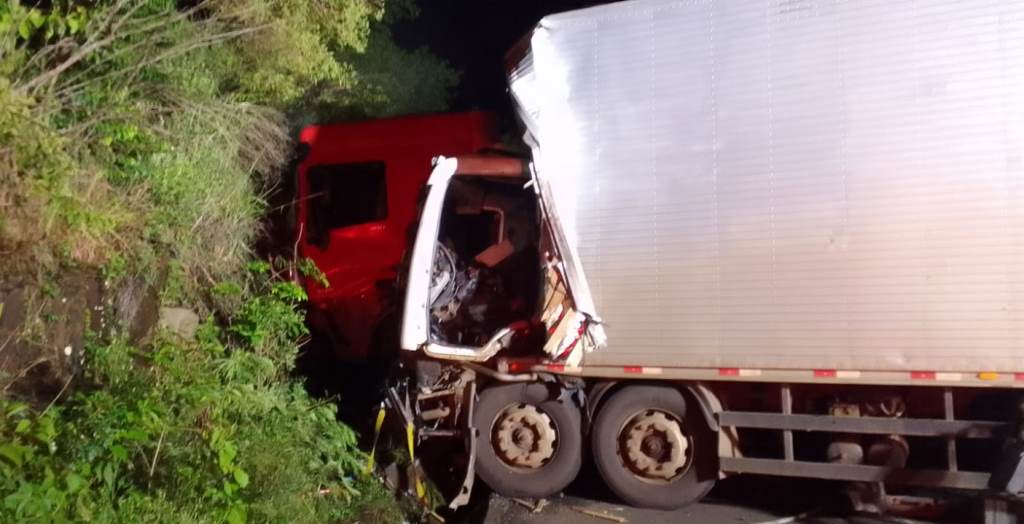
[802, 216]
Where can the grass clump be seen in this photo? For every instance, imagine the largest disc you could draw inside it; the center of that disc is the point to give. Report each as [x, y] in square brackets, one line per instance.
[157, 126]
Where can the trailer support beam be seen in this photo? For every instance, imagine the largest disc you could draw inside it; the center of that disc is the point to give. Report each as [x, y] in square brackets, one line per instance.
[918, 427]
[947, 401]
[857, 473]
[787, 409]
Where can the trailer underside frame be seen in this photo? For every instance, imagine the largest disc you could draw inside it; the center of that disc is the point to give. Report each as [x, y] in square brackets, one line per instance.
[787, 422]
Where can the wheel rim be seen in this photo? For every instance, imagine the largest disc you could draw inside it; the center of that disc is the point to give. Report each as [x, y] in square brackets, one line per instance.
[524, 437]
[654, 447]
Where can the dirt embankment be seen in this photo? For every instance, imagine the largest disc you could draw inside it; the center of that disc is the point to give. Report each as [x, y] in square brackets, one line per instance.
[45, 323]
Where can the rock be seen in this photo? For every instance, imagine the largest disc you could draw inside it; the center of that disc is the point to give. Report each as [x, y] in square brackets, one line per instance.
[136, 308]
[181, 321]
[392, 478]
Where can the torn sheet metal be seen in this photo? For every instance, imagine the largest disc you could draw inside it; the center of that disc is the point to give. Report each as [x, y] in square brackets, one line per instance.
[556, 195]
[564, 272]
[567, 328]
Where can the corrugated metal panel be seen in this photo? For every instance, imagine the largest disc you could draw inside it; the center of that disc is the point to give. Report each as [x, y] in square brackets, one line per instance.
[790, 183]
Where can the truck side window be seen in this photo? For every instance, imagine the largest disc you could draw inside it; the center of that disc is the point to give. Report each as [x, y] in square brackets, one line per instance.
[342, 195]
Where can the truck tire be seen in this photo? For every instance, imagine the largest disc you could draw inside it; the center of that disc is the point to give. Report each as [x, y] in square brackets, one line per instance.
[530, 444]
[650, 451]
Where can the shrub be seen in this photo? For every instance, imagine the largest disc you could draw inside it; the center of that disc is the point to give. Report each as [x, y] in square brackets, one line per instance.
[203, 431]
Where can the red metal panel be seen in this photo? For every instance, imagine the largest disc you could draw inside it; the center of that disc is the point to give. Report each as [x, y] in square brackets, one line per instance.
[360, 261]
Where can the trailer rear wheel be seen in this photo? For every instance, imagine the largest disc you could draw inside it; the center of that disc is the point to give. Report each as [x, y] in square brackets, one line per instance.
[530, 443]
[650, 451]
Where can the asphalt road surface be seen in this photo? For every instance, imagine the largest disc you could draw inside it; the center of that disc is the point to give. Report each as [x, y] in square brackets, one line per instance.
[576, 510]
[738, 500]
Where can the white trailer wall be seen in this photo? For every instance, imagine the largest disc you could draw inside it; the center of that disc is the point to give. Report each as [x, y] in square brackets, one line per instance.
[789, 183]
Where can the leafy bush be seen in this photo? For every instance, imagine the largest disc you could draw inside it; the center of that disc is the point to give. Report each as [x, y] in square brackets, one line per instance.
[203, 431]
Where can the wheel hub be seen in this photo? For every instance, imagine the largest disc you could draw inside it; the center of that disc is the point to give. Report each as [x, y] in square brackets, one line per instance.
[524, 436]
[654, 445]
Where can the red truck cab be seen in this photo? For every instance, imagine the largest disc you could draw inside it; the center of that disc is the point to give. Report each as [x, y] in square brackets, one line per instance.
[357, 191]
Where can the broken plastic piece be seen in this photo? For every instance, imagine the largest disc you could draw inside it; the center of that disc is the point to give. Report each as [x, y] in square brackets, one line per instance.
[494, 254]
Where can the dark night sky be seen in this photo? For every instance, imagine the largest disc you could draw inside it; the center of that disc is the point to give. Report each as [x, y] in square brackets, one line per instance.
[473, 36]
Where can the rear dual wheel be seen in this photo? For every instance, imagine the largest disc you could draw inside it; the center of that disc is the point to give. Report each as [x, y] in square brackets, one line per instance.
[650, 451]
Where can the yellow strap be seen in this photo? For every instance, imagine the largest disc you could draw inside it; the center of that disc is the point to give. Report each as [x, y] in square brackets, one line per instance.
[421, 492]
[410, 434]
[376, 434]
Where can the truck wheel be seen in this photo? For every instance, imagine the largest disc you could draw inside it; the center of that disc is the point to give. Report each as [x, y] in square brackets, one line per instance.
[650, 452]
[530, 444]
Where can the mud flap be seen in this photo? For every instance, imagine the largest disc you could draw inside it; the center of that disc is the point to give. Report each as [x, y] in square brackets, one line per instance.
[466, 489]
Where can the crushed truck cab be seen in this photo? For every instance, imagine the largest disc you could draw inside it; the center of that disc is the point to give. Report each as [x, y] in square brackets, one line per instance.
[357, 190]
[473, 292]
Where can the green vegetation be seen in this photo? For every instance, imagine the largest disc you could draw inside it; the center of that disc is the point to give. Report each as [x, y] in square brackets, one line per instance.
[196, 431]
[137, 140]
